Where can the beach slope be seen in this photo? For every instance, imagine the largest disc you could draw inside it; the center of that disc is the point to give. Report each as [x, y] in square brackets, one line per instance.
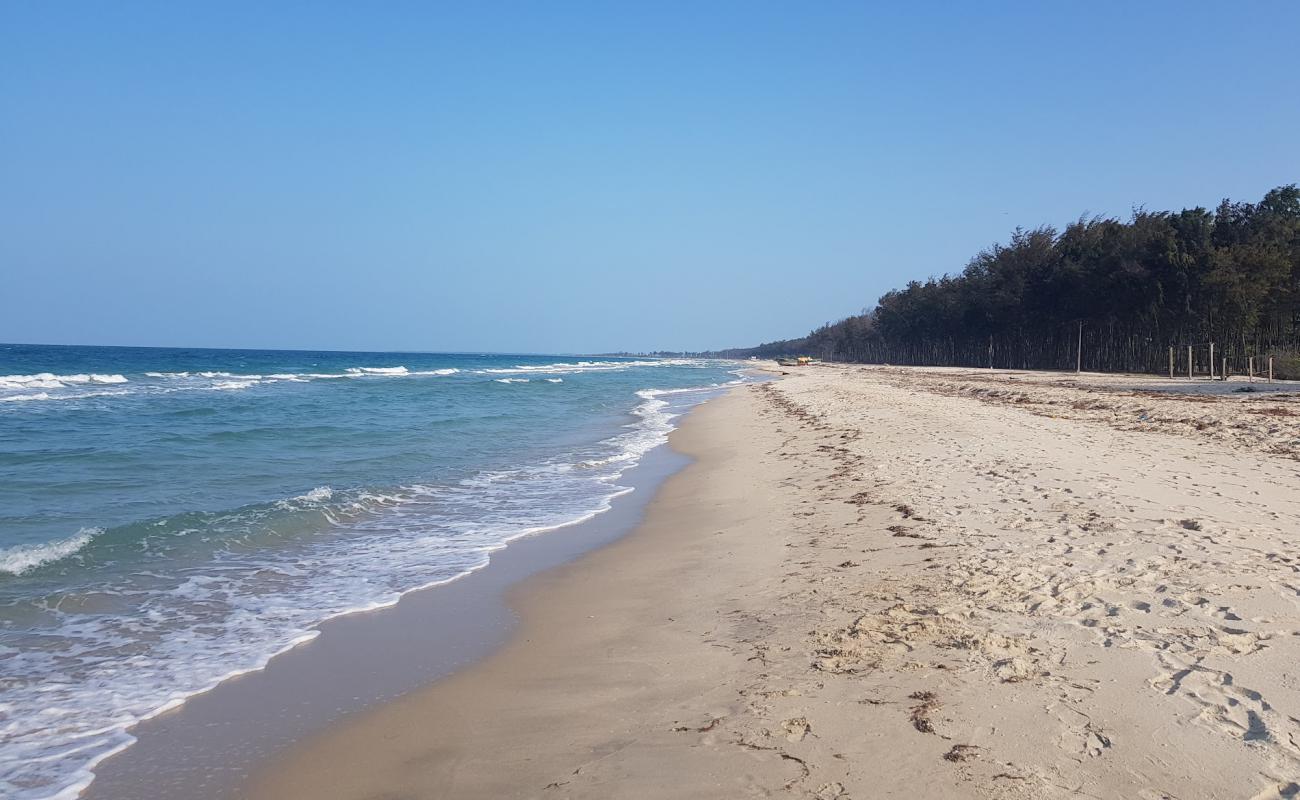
[877, 583]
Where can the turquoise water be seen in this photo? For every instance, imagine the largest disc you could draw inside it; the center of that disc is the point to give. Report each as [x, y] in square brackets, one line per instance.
[169, 518]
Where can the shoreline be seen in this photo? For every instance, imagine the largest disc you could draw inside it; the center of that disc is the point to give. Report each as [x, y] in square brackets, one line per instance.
[200, 747]
[587, 632]
[226, 510]
[879, 582]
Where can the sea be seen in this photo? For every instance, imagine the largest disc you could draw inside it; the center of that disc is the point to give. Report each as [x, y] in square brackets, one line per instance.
[170, 518]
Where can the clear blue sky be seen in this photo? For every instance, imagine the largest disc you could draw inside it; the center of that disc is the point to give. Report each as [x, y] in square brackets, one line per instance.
[583, 177]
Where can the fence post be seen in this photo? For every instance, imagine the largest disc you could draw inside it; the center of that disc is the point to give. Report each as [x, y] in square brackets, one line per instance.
[1189, 362]
[1171, 363]
[1250, 368]
[1211, 360]
[1270, 369]
[1224, 375]
[1078, 355]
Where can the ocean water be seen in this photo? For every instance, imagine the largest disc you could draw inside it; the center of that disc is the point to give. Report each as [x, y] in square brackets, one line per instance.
[169, 518]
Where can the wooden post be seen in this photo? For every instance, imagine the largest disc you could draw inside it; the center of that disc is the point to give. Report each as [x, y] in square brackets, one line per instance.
[1078, 355]
[1211, 360]
[1224, 375]
[1171, 363]
[990, 352]
[1270, 369]
[1189, 362]
[1250, 368]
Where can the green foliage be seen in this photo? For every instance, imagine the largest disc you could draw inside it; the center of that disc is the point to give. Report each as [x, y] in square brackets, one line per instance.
[1133, 289]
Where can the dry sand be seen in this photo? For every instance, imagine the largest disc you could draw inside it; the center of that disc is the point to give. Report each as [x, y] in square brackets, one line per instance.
[882, 582]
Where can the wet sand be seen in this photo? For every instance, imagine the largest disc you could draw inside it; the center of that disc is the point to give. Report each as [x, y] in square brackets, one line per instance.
[205, 749]
[894, 583]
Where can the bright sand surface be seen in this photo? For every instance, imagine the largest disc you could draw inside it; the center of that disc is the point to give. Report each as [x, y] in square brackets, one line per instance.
[881, 582]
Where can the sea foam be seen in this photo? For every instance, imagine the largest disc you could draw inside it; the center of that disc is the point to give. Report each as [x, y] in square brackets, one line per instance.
[20, 388]
[590, 366]
[378, 371]
[48, 380]
[25, 558]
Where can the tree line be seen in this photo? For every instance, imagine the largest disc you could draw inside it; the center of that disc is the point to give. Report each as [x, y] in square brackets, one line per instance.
[1126, 291]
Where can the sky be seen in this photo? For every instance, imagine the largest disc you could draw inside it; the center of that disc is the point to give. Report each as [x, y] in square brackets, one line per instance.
[588, 177]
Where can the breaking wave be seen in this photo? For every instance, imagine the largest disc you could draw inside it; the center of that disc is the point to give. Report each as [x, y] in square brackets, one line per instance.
[24, 558]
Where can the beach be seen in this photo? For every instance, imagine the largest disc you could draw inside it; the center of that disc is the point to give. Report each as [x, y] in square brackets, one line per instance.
[879, 582]
[185, 534]
[631, 402]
